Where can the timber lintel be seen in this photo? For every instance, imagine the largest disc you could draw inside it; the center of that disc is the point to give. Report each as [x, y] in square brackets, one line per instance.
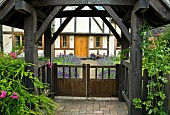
[39, 3]
[119, 22]
[141, 6]
[23, 7]
[47, 22]
[162, 10]
[6, 8]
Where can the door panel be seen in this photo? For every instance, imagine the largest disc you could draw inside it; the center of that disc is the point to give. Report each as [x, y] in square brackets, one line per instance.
[81, 46]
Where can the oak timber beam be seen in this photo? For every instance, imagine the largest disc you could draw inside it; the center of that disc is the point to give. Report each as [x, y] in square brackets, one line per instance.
[63, 25]
[119, 22]
[135, 78]
[39, 3]
[102, 29]
[1, 38]
[6, 8]
[31, 49]
[161, 10]
[127, 16]
[108, 25]
[47, 22]
[141, 6]
[23, 7]
[83, 13]
[26, 8]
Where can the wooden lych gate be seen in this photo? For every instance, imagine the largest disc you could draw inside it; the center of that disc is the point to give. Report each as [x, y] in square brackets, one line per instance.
[82, 80]
[36, 16]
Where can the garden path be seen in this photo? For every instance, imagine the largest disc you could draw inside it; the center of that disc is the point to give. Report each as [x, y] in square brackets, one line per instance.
[90, 106]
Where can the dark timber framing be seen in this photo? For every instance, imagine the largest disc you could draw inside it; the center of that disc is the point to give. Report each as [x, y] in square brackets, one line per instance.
[63, 25]
[118, 22]
[30, 14]
[37, 3]
[1, 38]
[47, 22]
[31, 49]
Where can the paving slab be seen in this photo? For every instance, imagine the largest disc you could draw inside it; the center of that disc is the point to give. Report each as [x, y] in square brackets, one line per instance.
[90, 106]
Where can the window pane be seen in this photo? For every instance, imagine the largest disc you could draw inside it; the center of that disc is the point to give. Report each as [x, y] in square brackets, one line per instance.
[64, 41]
[23, 41]
[17, 41]
[97, 41]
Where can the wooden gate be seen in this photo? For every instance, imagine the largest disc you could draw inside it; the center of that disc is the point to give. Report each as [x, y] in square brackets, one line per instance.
[85, 80]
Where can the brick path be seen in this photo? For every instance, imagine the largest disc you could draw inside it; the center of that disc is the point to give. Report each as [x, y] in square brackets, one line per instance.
[90, 106]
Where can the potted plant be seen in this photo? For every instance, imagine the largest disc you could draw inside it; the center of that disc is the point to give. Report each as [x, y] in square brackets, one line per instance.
[92, 56]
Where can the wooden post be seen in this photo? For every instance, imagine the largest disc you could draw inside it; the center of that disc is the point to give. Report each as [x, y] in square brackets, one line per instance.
[88, 79]
[54, 79]
[135, 78]
[145, 90]
[47, 54]
[118, 74]
[1, 38]
[31, 49]
[121, 81]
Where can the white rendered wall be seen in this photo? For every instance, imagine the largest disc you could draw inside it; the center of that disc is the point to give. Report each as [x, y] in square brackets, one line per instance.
[57, 23]
[94, 26]
[82, 25]
[58, 52]
[6, 28]
[91, 42]
[70, 26]
[57, 42]
[104, 45]
[111, 45]
[69, 51]
[103, 52]
[40, 53]
[106, 29]
[92, 51]
[7, 43]
[71, 41]
[18, 30]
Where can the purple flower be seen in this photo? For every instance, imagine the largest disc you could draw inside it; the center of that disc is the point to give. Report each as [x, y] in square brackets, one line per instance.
[14, 96]
[3, 94]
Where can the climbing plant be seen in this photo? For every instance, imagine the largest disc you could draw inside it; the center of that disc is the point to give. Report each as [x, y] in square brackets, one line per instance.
[156, 53]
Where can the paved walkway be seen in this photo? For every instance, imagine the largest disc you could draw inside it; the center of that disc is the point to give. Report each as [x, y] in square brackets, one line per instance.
[90, 106]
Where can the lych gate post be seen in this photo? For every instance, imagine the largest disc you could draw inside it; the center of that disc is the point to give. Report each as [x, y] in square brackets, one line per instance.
[31, 49]
[135, 85]
[47, 54]
[1, 38]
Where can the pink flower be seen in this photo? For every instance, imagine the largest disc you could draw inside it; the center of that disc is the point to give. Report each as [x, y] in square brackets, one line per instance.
[3, 94]
[14, 96]
[13, 54]
[50, 64]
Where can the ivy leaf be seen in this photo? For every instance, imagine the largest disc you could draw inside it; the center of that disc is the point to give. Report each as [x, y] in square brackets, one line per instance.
[150, 111]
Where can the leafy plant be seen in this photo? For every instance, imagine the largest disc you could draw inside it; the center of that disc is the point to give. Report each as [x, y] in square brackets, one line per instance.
[156, 60]
[15, 98]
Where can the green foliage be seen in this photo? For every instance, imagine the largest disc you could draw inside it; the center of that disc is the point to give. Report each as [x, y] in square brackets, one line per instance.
[12, 73]
[156, 53]
[123, 54]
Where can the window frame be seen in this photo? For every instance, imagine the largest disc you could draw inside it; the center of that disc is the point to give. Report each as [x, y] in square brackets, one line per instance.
[67, 41]
[100, 42]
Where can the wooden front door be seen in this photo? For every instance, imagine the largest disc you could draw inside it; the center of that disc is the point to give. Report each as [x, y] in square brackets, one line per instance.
[81, 46]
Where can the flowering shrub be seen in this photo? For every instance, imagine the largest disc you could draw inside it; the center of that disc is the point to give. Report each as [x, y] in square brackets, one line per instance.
[67, 60]
[106, 61]
[15, 98]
